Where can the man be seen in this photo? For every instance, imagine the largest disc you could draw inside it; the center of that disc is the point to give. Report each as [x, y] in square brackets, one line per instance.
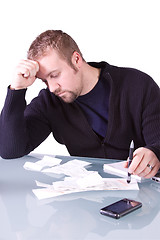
[95, 109]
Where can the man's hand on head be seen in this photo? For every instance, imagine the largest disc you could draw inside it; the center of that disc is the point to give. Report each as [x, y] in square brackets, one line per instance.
[25, 74]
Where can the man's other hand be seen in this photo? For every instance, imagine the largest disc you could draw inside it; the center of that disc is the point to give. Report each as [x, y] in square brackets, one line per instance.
[25, 74]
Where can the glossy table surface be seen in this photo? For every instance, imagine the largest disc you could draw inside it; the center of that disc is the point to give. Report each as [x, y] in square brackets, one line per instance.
[73, 216]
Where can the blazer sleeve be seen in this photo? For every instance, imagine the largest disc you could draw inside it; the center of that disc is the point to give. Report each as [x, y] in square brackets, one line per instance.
[22, 127]
[151, 118]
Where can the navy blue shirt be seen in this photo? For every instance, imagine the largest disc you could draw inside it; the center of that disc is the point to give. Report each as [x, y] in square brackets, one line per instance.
[95, 106]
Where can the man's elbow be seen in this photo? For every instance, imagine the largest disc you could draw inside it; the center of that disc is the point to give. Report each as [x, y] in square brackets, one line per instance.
[10, 154]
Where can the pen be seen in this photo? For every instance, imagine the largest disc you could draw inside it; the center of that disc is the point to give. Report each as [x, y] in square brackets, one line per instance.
[131, 149]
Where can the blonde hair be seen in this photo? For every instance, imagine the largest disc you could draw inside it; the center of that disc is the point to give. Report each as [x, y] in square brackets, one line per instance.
[57, 40]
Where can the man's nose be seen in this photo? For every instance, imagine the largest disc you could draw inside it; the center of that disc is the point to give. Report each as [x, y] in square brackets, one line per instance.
[53, 87]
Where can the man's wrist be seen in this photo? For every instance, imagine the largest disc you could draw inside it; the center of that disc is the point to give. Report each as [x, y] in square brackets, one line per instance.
[10, 87]
[14, 88]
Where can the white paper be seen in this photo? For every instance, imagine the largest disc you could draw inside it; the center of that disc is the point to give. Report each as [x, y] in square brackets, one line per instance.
[32, 166]
[44, 193]
[40, 184]
[70, 186]
[49, 161]
[45, 162]
[118, 169]
[73, 168]
[78, 178]
[90, 180]
[120, 184]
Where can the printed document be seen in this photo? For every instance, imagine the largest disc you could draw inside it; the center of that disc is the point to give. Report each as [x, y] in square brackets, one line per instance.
[75, 178]
[118, 169]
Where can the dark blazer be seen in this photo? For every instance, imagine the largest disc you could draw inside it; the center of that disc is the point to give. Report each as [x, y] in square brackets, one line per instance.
[134, 114]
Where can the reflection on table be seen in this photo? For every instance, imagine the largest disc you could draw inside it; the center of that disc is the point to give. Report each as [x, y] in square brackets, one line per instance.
[72, 216]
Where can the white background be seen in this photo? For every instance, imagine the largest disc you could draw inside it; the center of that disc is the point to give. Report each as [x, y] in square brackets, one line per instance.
[121, 32]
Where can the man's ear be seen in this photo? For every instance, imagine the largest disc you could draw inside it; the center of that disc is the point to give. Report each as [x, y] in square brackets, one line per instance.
[76, 60]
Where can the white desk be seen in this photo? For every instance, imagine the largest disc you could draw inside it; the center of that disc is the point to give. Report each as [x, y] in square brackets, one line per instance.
[74, 216]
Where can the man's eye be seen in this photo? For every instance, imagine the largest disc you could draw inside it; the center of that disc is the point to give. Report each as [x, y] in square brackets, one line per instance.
[54, 76]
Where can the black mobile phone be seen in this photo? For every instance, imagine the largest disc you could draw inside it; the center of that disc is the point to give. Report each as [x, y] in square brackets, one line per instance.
[120, 208]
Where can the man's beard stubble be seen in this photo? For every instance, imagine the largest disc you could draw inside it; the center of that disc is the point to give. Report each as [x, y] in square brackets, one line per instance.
[68, 96]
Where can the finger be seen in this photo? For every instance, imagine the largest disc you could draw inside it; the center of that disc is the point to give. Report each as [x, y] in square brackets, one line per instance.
[144, 171]
[149, 164]
[37, 66]
[23, 71]
[151, 167]
[32, 66]
[137, 158]
[32, 63]
[149, 173]
[125, 164]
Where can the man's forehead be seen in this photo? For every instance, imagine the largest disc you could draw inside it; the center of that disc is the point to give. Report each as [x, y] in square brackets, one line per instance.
[48, 64]
[43, 74]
